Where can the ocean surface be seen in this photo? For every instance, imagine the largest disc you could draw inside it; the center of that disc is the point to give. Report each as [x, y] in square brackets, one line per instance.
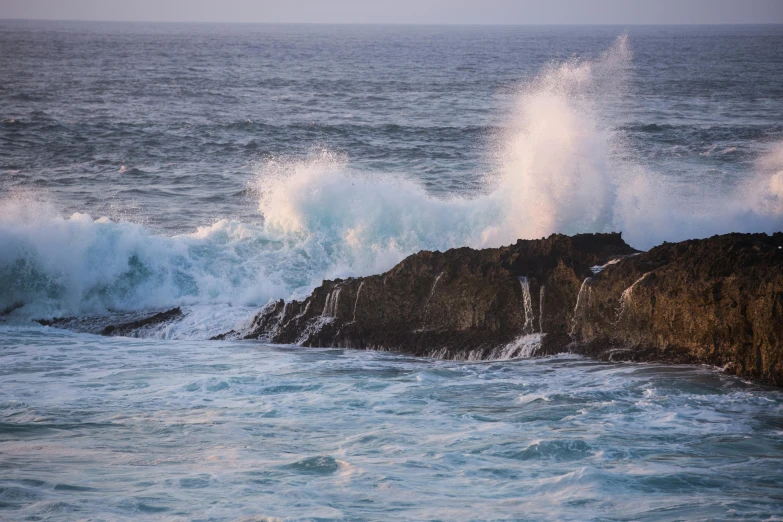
[216, 167]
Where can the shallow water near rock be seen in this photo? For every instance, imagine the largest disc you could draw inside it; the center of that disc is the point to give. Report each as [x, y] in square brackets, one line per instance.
[96, 428]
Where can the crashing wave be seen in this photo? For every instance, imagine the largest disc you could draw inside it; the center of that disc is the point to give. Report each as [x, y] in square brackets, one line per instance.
[555, 171]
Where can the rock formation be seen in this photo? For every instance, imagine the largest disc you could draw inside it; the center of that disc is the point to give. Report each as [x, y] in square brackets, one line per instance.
[716, 301]
[130, 324]
[462, 303]
[153, 320]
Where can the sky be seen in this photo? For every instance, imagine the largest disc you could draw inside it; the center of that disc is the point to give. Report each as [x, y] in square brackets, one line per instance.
[622, 12]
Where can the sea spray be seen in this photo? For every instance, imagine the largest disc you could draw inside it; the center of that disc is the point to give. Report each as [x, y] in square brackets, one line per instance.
[73, 265]
[523, 347]
[556, 170]
[554, 165]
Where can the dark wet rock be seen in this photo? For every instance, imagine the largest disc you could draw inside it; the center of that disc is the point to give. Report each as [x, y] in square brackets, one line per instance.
[230, 335]
[117, 324]
[130, 327]
[56, 322]
[462, 303]
[716, 301]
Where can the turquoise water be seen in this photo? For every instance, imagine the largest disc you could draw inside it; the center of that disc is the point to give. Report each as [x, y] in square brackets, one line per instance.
[106, 429]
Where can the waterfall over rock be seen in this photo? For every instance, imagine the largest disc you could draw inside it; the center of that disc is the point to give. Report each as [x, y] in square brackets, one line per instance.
[527, 302]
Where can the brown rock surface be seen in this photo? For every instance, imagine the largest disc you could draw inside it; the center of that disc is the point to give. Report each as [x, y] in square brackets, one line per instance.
[462, 303]
[716, 301]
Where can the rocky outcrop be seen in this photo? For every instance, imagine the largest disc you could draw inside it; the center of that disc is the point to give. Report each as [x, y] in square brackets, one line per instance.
[462, 303]
[717, 301]
[130, 324]
[139, 324]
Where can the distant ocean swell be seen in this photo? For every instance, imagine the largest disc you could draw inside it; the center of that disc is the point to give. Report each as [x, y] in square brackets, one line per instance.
[556, 169]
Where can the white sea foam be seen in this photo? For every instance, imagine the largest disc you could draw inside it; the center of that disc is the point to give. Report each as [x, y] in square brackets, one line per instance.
[541, 435]
[555, 171]
[68, 265]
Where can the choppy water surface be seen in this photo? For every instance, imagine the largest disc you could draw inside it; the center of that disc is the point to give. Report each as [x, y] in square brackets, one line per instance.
[216, 167]
[97, 428]
[156, 165]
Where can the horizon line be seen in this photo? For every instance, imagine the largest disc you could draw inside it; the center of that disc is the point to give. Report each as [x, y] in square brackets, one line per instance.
[421, 24]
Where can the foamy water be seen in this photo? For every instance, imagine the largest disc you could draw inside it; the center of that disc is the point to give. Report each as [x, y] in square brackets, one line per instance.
[556, 170]
[225, 431]
[239, 166]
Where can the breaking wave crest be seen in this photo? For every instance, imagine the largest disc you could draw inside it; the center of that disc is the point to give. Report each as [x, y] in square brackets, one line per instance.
[555, 170]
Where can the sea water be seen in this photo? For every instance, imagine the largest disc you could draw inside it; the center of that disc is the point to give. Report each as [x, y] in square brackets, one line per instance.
[97, 428]
[217, 167]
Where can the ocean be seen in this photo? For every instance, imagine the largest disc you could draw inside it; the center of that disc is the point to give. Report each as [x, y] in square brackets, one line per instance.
[218, 167]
